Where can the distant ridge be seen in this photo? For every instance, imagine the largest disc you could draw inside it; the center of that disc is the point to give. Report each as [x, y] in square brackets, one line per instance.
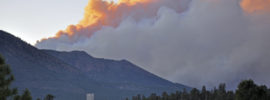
[110, 70]
[70, 75]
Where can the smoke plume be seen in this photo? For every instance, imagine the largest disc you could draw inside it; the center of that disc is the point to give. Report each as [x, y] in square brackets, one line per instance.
[194, 42]
[255, 5]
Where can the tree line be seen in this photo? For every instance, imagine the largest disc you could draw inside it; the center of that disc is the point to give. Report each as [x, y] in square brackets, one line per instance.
[246, 90]
[8, 93]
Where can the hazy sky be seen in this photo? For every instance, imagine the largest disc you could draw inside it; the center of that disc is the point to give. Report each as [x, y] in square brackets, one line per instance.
[32, 20]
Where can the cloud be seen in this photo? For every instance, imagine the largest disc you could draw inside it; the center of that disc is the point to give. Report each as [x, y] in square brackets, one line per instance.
[252, 6]
[203, 42]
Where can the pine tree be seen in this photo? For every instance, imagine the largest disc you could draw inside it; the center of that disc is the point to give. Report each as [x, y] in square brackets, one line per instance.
[245, 90]
[165, 96]
[139, 97]
[178, 95]
[230, 95]
[185, 95]
[194, 94]
[26, 95]
[5, 80]
[49, 97]
[17, 97]
[143, 97]
[221, 93]
[203, 93]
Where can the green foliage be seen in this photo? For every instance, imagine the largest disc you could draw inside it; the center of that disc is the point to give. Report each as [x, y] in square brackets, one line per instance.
[194, 94]
[17, 97]
[26, 95]
[5, 81]
[247, 90]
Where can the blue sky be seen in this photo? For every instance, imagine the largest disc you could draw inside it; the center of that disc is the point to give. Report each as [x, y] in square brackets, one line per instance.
[32, 20]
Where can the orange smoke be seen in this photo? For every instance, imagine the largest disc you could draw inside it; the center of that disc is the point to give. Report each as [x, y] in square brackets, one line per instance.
[100, 13]
[133, 2]
[103, 12]
[252, 6]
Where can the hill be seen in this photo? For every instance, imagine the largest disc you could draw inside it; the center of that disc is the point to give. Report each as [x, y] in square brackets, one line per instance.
[70, 75]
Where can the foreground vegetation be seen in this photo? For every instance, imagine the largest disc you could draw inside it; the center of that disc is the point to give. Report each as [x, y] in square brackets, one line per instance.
[8, 93]
[247, 90]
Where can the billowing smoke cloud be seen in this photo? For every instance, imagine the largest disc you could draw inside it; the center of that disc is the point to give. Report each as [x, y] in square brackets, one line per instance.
[99, 13]
[194, 42]
[255, 5]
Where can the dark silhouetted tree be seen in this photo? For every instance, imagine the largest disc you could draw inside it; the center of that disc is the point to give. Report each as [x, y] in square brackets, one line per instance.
[221, 93]
[203, 95]
[143, 97]
[17, 97]
[230, 95]
[194, 94]
[49, 97]
[5, 80]
[165, 96]
[26, 95]
[247, 90]
[184, 95]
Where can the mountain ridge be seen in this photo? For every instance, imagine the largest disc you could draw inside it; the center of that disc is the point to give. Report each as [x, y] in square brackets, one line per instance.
[70, 75]
[65, 55]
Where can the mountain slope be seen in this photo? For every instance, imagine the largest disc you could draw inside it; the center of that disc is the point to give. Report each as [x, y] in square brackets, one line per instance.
[40, 72]
[111, 71]
[70, 75]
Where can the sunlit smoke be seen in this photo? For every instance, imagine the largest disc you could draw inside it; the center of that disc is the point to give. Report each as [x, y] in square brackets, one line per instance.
[252, 6]
[99, 13]
[195, 42]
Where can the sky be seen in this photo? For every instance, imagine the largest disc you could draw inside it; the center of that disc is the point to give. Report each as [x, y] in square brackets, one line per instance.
[193, 42]
[32, 20]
